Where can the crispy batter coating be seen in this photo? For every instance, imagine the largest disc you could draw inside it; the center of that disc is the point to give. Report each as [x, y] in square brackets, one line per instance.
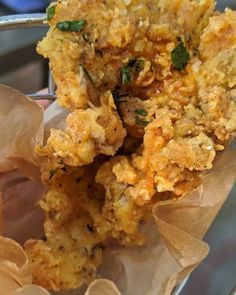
[114, 32]
[71, 251]
[90, 132]
[118, 76]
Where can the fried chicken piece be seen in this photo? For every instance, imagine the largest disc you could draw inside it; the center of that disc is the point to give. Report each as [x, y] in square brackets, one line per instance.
[190, 17]
[86, 62]
[120, 216]
[219, 35]
[167, 163]
[90, 132]
[71, 251]
[218, 51]
[179, 146]
[68, 259]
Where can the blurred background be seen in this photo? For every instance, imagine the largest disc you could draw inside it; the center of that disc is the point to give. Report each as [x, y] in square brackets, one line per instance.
[22, 68]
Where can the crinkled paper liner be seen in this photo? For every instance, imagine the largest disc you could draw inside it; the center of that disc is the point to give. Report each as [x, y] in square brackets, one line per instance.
[174, 248]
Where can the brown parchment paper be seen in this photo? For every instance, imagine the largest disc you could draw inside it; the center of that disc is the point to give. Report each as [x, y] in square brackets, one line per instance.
[174, 248]
[21, 122]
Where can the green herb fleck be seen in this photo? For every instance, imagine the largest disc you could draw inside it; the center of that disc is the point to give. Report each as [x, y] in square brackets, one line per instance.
[50, 12]
[141, 122]
[141, 112]
[88, 76]
[125, 74]
[133, 66]
[71, 26]
[51, 174]
[180, 57]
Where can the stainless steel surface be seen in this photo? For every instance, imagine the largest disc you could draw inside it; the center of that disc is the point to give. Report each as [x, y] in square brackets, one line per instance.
[48, 96]
[51, 84]
[17, 21]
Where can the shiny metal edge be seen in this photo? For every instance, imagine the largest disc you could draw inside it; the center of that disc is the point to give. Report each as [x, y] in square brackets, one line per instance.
[49, 96]
[180, 287]
[51, 84]
[17, 21]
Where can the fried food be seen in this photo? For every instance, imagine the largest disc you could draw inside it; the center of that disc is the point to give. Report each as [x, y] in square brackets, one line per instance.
[71, 252]
[151, 90]
[86, 63]
[90, 132]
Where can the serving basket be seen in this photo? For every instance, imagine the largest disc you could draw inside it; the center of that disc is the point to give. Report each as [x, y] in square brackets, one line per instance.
[39, 20]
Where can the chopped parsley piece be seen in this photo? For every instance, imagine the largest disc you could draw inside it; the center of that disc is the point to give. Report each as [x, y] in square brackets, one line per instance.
[141, 112]
[125, 74]
[50, 12]
[180, 56]
[71, 26]
[51, 174]
[88, 76]
[133, 66]
[141, 122]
